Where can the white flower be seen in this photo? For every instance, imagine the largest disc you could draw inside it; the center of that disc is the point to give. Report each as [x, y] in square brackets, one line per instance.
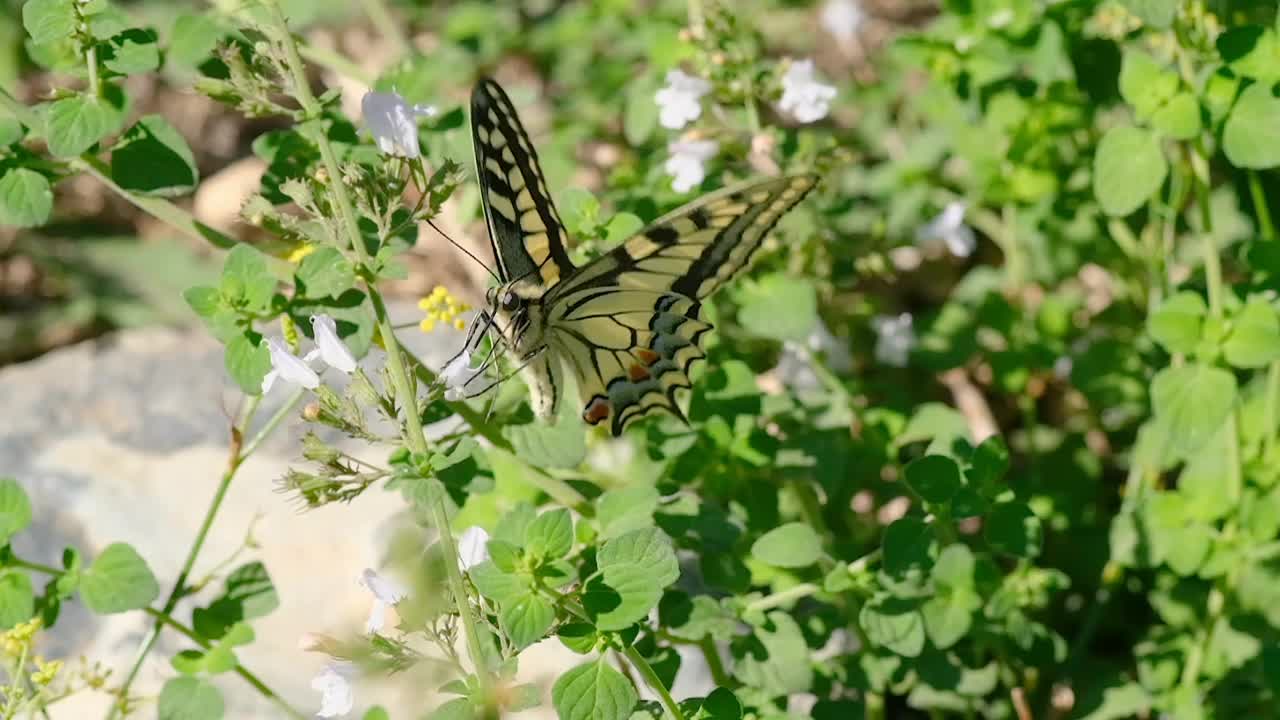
[894, 339]
[949, 228]
[473, 547]
[393, 122]
[680, 101]
[289, 367]
[803, 97]
[459, 378]
[332, 350]
[334, 685]
[687, 164]
[386, 593]
[842, 18]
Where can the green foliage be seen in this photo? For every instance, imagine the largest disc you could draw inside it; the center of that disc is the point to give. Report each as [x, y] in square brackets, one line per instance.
[118, 580]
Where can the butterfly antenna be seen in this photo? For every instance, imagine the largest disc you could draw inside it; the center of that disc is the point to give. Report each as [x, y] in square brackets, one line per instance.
[466, 252]
[532, 356]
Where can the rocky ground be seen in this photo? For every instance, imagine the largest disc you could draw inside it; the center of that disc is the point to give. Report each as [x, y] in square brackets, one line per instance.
[123, 439]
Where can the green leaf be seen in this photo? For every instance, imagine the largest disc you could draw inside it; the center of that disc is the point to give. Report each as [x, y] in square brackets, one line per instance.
[581, 211]
[17, 598]
[1012, 529]
[779, 307]
[248, 593]
[1190, 403]
[246, 281]
[15, 509]
[500, 587]
[188, 698]
[1146, 84]
[11, 131]
[635, 568]
[1128, 169]
[193, 38]
[74, 124]
[936, 478]
[26, 198]
[783, 667]
[1255, 336]
[1179, 118]
[625, 509]
[1251, 51]
[893, 623]
[621, 227]
[909, 548]
[152, 158]
[456, 709]
[49, 21]
[247, 363]
[594, 691]
[1177, 322]
[550, 536]
[794, 545]
[1158, 14]
[1251, 135]
[948, 615]
[133, 52]
[325, 272]
[118, 580]
[988, 464]
[527, 619]
[560, 445]
[578, 637]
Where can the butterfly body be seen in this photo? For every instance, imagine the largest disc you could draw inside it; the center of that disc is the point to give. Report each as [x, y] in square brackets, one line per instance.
[626, 325]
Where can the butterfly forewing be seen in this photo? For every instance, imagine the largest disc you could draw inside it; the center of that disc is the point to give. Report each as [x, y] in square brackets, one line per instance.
[524, 227]
[627, 323]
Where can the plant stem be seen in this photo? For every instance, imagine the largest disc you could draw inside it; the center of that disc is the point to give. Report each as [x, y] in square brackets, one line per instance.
[11, 703]
[391, 30]
[456, 588]
[1013, 260]
[653, 681]
[405, 391]
[714, 664]
[91, 60]
[1212, 263]
[240, 670]
[1260, 206]
[782, 597]
[46, 569]
[239, 453]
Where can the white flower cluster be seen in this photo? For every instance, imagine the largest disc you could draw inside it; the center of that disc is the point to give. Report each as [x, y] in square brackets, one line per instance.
[293, 369]
[334, 681]
[803, 97]
[393, 122]
[949, 229]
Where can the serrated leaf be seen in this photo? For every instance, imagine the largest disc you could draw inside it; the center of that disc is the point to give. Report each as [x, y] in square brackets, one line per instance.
[635, 568]
[193, 38]
[188, 698]
[1255, 336]
[594, 691]
[783, 667]
[497, 585]
[1251, 135]
[17, 598]
[15, 509]
[246, 281]
[247, 363]
[117, 581]
[26, 198]
[894, 624]
[625, 509]
[75, 124]
[562, 445]
[1128, 169]
[325, 272]
[49, 21]
[578, 637]
[527, 619]
[936, 478]
[794, 545]
[1177, 322]
[1190, 403]
[1179, 118]
[133, 52]
[909, 547]
[550, 535]
[152, 158]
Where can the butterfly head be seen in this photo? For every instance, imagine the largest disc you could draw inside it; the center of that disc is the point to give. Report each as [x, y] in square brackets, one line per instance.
[512, 309]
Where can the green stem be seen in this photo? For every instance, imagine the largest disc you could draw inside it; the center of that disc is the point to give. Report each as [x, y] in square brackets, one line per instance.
[11, 703]
[239, 453]
[240, 670]
[1212, 263]
[390, 30]
[1260, 206]
[753, 113]
[272, 423]
[459, 591]
[405, 392]
[561, 491]
[337, 62]
[714, 664]
[46, 569]
[91, 60]
[1013, 260]
[652, 680]
[782, 597]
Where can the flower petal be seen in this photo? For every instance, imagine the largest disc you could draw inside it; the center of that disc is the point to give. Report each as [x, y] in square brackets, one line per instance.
[473, 547]
[333, 351]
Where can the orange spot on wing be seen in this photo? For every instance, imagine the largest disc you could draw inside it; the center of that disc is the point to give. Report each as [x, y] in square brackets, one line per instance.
[647, 356]
[596, 411]
[637, 372]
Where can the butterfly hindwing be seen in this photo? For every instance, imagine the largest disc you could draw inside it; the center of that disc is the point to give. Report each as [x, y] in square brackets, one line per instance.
[627, 324]
[525, 228]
